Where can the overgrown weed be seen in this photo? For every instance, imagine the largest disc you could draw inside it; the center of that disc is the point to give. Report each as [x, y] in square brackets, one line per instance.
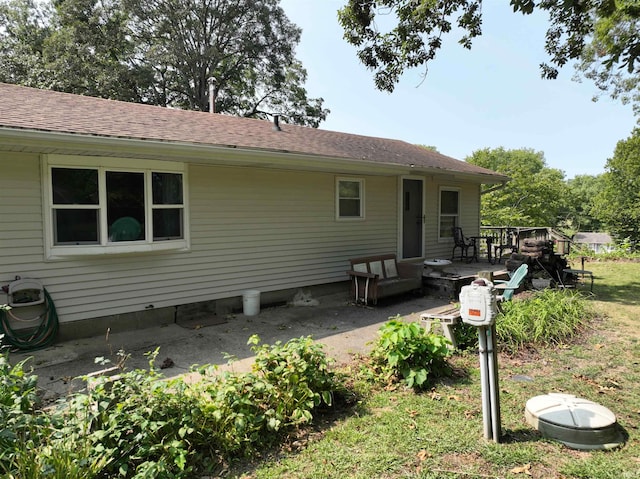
[407, 352]
[138, 426]
[546, 317]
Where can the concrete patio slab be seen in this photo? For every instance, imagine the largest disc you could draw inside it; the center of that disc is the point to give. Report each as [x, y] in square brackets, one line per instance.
[343, 328]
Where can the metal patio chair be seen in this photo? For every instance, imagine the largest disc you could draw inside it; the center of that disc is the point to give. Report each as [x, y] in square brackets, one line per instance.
[465, 244]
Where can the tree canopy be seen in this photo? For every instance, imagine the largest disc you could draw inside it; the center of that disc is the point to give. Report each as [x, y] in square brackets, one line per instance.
[615, 41]
[583, 190]
[420, 25]
[536, 195]
[617, 204]
[161, 53]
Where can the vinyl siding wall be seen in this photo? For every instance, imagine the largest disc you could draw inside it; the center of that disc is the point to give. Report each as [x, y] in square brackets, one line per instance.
[469, 215]
[250, 229]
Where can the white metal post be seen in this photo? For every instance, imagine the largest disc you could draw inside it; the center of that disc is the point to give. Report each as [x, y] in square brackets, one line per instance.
[484, 382]
[494, 384]
[478, 308]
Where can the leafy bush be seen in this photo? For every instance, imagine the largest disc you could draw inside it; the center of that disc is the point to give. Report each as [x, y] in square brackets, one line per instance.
[287, 383]
[47, 452]
[31, 445]
[17, 387]
[550, 316]
[466, 336]
[132, 425]
[139, 426]
[300, 370]
[407, 352]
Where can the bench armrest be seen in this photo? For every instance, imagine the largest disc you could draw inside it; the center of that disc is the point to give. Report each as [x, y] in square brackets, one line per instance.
[504, 286]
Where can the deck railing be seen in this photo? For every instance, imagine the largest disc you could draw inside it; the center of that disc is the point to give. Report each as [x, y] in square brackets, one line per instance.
[514, 235]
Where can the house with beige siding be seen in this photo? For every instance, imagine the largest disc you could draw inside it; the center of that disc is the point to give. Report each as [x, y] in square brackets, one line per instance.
[132, 215]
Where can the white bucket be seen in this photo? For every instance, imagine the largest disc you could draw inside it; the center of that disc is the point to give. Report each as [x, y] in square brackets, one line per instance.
[251, 302]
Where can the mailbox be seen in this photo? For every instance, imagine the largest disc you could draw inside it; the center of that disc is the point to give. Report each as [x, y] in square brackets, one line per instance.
[478, 305]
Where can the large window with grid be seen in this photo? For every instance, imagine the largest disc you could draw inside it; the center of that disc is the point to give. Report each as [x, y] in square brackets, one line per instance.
[113, 206]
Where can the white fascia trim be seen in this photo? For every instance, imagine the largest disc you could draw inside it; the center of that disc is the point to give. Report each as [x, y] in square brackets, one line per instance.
[226, 155]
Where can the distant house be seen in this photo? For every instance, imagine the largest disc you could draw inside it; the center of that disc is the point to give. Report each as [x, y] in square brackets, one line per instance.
[133, 215]
[596, 242]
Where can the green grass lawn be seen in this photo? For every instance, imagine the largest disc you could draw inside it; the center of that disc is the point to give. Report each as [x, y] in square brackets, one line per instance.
[397, 433]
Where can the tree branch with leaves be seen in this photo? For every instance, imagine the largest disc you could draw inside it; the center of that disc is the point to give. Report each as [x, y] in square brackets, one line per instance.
[418, 28]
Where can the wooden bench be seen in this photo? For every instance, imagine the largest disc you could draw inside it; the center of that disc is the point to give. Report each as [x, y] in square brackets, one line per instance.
[374, 277]
[447, 317]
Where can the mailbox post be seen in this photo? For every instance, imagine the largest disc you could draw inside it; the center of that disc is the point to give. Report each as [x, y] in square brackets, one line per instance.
[478, 307]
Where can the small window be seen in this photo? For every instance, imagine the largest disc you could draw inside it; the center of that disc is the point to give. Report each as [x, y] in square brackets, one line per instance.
[449, 212]
[75, 206]
[115, 207]
[168, 222]
[350, 198]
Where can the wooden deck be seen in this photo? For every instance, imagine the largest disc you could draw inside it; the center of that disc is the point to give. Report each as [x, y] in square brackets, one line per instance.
[452, 278]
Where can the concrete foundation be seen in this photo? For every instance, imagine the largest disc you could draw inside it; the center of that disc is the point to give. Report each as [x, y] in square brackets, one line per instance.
[204, 312]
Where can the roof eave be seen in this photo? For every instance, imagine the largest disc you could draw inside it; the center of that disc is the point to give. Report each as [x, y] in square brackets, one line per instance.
[48, 142]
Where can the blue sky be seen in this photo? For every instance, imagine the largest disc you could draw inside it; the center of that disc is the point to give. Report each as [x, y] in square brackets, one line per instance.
[486, 97]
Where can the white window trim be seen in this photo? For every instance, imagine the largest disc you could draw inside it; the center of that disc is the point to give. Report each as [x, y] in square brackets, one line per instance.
[55, 252]
[440, 215]
[362, 197]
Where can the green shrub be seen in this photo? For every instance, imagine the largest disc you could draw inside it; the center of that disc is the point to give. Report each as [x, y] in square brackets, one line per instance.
[301, 369]
[287, 383]
[234, 414]
[136, 421]
[18, 388]
[18, 407]
[137, 425]
[49, 453]
[407, 352]
[550, 316]
[466, 336]
[32, 444]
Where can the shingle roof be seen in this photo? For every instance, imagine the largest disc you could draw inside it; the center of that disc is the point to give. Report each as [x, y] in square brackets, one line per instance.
[48, 111]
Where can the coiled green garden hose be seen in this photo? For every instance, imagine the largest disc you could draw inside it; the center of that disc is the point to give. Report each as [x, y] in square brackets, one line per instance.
[32, 338]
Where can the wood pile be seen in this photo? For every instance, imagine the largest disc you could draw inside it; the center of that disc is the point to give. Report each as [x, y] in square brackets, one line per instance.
[540, 256]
